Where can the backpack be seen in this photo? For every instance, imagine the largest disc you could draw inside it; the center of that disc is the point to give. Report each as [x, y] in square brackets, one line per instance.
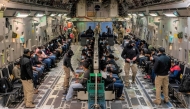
[185, 83]
[5, 84]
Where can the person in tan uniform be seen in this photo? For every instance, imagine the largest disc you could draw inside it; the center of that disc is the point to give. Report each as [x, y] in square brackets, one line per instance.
[120, 34]
[97, 30]
[67, 67]
[74, 31]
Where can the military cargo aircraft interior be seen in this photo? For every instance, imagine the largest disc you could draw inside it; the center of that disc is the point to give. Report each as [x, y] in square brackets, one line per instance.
[95, 54]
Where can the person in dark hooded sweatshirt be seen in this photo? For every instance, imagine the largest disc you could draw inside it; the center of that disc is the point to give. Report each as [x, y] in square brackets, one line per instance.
[130, 54]
[90, 31]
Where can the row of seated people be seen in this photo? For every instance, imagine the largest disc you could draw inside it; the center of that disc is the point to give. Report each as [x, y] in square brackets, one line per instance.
[82, 73]
[146, 59]
[109, 69]
[39, 66]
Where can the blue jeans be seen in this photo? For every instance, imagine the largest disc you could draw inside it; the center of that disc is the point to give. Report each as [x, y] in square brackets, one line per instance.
[47, 61]
[35, 78]
[153, 75]
[115, 76]
[119, 84]
[70, 91]
[39, 69]
[53, 58]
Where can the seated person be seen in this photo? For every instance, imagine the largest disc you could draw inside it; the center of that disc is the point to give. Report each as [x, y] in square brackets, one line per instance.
[16, 71]
[44, 58]
[36, 65]
[112, 64]
[79, 83]
[111, 82]
[174, 70]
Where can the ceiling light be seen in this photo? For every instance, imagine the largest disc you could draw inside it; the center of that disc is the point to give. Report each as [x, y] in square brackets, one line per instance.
[64, 14]
[141, 14]
[129, 14]
[39, 15]
[22, 15]
[171, 14]
[52, 15]
[60, 15]
[68, 18]
[134, 14]
[153, 14]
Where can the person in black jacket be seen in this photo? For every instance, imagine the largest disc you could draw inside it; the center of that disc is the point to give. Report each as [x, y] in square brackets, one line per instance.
[66, 67]
[90, 32]
[162, 67]
[108, 30]
[130, 54]
[26, 78]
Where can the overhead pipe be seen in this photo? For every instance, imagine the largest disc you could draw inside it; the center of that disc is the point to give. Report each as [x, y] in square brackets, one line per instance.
[85, 18]
[25, 6]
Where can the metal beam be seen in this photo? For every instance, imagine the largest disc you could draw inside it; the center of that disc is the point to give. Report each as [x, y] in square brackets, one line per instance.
[16, 5]
[174, 5]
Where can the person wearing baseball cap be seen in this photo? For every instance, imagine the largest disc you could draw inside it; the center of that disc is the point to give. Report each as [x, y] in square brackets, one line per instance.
[161, 67]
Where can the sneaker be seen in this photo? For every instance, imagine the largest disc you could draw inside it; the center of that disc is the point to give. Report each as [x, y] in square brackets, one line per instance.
[30, 106]
[156, 102]
[120, 98]
[145, 77]
[148, 76]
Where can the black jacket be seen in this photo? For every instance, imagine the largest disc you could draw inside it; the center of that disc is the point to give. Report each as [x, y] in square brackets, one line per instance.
[162, 65]
[129, 52]
[108, 81]
[108, 31]
[67, 62]
[26, 68]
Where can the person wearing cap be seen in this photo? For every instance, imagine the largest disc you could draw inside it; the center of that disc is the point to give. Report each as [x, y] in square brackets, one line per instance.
[161, 67]
[67, 66]
[26, 78]
[130, 54]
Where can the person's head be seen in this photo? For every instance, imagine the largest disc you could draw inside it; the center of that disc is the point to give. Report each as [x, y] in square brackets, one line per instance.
[120, 26]
[17, 64]
[85, 65]
[39, 52]
[27, 52]
[89, 27]
[174, 62]
[107, 27]
[131, 43]
[32, 54]
[103, 58]
[161, 50]
[70, 53]
[103, 68]
[40, 47]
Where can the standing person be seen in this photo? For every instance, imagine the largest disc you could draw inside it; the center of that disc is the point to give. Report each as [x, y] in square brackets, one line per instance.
[161, 68]
[66, 67]
[120, 34]
[74, 33]
[26, 78]
[130, 54]
[108, 30]
[97, 30]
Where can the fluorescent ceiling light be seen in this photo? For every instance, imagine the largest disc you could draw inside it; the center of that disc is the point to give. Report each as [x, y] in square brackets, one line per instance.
[141, 14]
[127, 18]
[129, 14]
[171, 14]
[60, 15]
[68, 18]
[22, 15]
[40, 15]
[153, 14]
[64, 14]
[134, 14]
[52, 15]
